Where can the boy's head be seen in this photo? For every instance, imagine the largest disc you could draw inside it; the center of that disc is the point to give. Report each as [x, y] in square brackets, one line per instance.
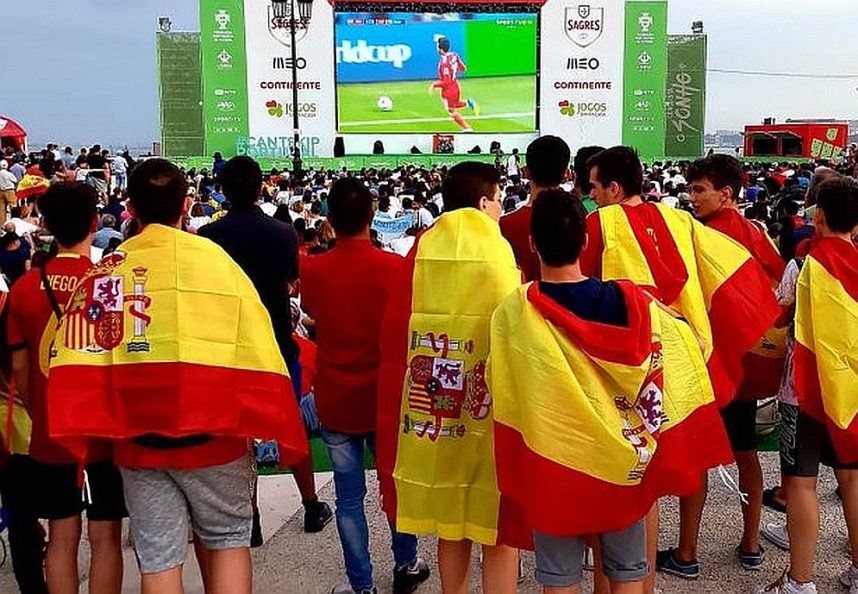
[241, 179]
[473, 185]
[158, 193]
[557, 227]
[582, 169]
[615, 175]
[716, 182]
[349, 207]
[547, 161]
[69, 211]
[837, 206]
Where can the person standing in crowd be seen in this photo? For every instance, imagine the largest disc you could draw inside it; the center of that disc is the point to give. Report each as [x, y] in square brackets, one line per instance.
[179, 400]
[68, 158]
[107, 232]
[436, 456]
[248, 235]
[16, 254]
[704, 276]
[546, 167]
[120, 171]
[582, 175]
[346, 381]
[716, 183]
[572, 336]
[46, 480]
[97, 164]
[8, 181]
[822, 428]
[513, 167]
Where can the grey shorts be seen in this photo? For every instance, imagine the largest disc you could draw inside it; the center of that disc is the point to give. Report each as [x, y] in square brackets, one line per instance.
[161, 502]
[560, 560]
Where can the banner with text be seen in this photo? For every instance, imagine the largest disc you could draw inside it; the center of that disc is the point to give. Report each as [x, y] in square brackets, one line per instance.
[685, 109]
[269, 81]
[644, 76]
[224, 66]
[581, 68]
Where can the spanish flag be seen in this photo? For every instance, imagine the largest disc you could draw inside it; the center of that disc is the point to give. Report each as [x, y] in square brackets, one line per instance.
[763, 365]
[595, 422]
[32, 184]
[708, 278]
[826, 341]
[176, 343]
[436, 451]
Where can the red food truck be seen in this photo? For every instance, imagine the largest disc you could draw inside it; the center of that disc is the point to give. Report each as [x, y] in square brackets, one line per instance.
[797, 139]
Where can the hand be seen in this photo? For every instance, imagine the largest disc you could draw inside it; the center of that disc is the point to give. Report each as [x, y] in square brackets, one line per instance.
[431, 88]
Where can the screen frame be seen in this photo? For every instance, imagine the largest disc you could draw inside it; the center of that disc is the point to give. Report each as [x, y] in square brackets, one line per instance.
[538, 76]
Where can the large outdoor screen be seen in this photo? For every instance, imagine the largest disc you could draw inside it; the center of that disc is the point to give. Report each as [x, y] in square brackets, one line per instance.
[406, 72]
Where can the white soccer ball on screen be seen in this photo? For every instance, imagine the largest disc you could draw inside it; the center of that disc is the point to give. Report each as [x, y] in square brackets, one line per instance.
[384, 103]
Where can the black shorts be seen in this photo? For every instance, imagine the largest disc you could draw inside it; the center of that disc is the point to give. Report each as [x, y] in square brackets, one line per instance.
[740, 420]
[53, 492]
[805, 444]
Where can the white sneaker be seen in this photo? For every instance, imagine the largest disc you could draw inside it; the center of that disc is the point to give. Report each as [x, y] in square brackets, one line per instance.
[777, 535]
[785, 585]
[849, 578]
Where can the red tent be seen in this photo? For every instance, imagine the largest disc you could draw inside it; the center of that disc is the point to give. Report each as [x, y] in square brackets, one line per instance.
[12, 134]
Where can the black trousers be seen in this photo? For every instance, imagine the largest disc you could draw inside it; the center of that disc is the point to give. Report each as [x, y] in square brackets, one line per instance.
[26, 538]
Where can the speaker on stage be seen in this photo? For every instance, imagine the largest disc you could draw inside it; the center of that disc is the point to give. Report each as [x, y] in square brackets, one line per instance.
[339, 147]
[378, 148]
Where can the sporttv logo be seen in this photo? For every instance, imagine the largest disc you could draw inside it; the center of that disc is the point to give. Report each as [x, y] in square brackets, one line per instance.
[583, 109]
[362, 52]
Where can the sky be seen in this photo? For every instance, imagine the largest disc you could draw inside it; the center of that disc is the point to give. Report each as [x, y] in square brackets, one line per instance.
[83, 71]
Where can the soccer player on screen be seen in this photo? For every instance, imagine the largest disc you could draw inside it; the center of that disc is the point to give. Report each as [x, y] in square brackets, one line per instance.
[449, 67]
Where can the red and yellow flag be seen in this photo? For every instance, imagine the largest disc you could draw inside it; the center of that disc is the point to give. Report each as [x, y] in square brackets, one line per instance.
[708, 278]
[31, 185]
[763, 365]
[594, 422]
[826, 341]
[435, 447]
[169, 336]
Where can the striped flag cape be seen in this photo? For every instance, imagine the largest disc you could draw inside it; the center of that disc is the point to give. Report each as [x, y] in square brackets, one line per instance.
[435, 441]
[595, 422]
[708, 278]
[763, 365]
[32, 184]
[168, 336]
[826, 341]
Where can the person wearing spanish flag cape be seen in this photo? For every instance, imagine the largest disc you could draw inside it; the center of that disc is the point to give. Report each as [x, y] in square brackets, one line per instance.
[704, 276]
[715, 184]
[435, 442]
[823, 426]
[624, 412]
[166, 350]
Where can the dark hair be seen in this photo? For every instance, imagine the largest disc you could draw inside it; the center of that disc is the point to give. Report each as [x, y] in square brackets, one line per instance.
[547, 160]
[557, 227]
[349, 206]
[241, 178]
[444, 44]
[157, 191]
[619, 164]
[466, 183]
[582, 167]
[282, 214]
[721, 170]
[838, 199]
[300, 224]
[69, 210]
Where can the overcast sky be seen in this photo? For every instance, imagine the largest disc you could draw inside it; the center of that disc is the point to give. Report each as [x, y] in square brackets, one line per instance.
[79, 71]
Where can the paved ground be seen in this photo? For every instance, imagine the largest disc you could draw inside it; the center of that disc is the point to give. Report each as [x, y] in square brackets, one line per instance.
[292, 562]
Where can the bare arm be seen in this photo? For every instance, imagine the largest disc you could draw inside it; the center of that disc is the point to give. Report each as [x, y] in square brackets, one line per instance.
[21, 374]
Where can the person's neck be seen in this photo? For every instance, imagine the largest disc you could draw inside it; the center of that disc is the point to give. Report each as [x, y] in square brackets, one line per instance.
[176, 225]
[80, 249]
[568, 273]
[360, 235]
[824, 231]
[631, 200]
[535, 190]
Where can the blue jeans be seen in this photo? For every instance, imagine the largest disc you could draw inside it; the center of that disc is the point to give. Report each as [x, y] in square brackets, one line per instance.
[346, 453]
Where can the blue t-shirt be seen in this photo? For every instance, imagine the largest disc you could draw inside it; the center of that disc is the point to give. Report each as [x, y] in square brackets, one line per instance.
[591, 300]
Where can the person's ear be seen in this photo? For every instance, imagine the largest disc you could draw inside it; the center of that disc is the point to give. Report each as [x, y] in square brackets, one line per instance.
[532, 245]
[526, 172]
[93, 226]
[130, 208]
[188, 203]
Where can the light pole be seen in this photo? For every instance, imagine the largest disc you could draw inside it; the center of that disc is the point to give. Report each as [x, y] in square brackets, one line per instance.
[280, 9]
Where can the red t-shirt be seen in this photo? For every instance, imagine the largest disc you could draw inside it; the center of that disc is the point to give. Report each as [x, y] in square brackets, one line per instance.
[345, 291]
[32, 325]
[515, 227]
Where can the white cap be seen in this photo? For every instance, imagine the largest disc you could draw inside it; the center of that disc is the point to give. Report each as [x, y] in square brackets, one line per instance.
[4, 164]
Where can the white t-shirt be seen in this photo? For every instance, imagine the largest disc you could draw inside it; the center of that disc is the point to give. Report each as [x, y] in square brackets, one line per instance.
[196, 222]
[402, 245]
[268, 208]
[512, 165]
[786, 298]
